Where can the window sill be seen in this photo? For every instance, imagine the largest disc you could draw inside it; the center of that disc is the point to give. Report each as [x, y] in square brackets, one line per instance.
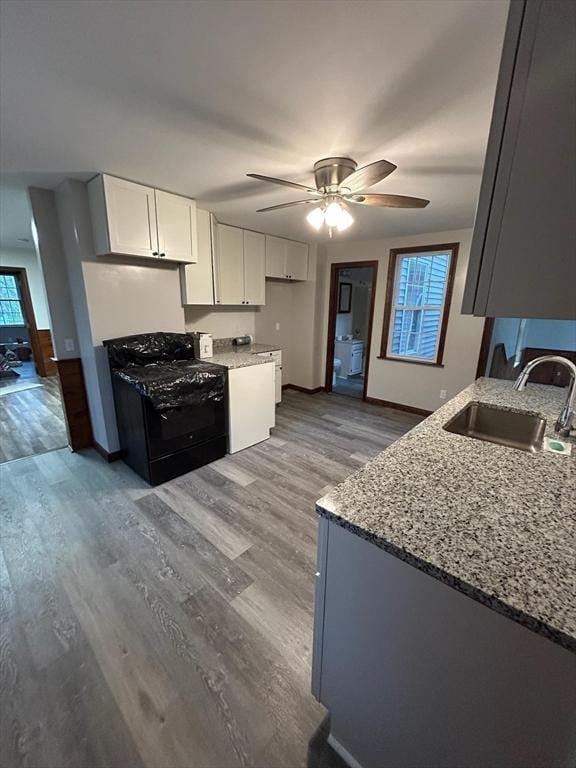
[410, 362]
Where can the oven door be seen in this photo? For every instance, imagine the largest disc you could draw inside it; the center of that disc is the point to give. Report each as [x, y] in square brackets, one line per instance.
[174, 429]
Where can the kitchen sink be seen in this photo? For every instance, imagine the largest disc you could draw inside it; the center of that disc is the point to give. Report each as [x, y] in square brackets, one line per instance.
[495, 425]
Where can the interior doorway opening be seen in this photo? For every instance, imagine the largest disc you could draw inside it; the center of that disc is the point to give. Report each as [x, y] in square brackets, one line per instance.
[352, 292]
[31, 415]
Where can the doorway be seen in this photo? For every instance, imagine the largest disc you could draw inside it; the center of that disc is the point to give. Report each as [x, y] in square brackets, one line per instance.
[31, 414]
[352, 292]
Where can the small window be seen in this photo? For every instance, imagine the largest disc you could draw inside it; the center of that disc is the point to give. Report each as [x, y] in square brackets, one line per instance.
[10, 306]
[418, 302]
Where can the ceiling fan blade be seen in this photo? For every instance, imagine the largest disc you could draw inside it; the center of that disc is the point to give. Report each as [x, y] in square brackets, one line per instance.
[284, 183]
[389, 201]
[286, 205]
[368, 175]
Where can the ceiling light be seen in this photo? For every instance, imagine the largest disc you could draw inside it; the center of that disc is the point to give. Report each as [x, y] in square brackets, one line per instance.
[346, 220]
[337, 217]
[316, 218]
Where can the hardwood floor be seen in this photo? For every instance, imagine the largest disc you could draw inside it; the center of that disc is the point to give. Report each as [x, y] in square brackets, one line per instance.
[172, 628]
[31, 421]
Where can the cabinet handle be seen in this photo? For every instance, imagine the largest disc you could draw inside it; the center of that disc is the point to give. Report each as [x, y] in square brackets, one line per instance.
[155, 253]
[162, 254]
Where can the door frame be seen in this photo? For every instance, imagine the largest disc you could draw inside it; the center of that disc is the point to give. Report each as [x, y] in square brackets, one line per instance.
[335, 267]
[26, 300]
[485, 347]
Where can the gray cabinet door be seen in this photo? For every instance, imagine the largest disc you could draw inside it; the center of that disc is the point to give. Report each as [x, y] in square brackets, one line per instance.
[523, 259]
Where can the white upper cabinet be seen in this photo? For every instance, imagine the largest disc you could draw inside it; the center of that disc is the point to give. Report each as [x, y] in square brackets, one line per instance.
[126, 221]
[275, 257]
[254, 268]
[197, 280]
[177, 235]
[239, 266]
[123, 217]
[296, 260]
[229, 265]
[286, 259]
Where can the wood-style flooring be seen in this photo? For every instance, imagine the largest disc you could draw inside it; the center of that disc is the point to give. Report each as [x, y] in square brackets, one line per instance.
[31, 421]
[172, 628]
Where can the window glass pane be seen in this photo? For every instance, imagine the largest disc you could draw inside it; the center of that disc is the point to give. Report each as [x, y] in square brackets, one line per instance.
[421, 281]
[11, 313]
[8, 287]
[415, 332]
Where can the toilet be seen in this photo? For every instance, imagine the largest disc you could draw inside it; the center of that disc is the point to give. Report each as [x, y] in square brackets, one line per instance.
[337, 367]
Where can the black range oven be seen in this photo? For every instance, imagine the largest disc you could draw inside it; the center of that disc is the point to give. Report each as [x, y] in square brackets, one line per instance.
[171, 409]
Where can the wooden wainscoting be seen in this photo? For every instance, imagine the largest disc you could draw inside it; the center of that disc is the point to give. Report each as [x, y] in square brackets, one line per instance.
[75, 402]
[45, 365]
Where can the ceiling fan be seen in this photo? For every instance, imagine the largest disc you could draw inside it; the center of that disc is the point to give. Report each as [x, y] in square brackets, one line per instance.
[339, 181]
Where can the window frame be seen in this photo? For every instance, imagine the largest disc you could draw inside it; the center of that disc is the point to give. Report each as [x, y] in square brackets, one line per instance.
[396, 255]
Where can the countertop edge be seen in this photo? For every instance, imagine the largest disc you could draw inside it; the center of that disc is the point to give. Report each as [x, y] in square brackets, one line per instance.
[489, 601]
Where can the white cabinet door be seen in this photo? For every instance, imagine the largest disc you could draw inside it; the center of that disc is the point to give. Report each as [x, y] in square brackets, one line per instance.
[131, 214]
[197, 280]
[229, 265]
[254, 268]
[296, 260]
[176, 219]
[275, 257]
[251, 405]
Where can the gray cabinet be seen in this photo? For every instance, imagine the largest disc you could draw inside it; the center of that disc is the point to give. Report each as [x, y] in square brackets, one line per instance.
[523, 254]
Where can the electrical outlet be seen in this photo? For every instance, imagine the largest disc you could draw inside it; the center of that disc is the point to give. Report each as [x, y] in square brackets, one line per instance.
[69, 345]
[442, 394]
[277, 326]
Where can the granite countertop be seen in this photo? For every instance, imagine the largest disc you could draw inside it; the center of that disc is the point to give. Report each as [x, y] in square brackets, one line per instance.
[231, 356]
[493, 522]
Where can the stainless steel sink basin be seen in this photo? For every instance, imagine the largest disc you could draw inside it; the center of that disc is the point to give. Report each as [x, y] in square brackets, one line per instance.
[495, 425]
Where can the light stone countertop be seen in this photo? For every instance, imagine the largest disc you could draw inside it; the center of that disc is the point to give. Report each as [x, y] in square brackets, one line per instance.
[231, 356]
[493, 522]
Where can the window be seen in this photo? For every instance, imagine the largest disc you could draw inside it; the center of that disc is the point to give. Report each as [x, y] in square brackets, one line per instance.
[10, 306]
[417, 303]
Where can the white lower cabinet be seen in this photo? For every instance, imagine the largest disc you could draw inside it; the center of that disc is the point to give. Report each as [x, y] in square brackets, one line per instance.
[276, 356]
[351, 355]
[251, 405]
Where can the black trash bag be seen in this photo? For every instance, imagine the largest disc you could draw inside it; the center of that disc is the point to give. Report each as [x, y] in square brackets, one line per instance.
[145, 348]
[177, 383]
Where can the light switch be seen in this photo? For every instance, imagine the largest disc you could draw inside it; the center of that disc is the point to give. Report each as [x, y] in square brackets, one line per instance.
[277, 326]
[69, 345]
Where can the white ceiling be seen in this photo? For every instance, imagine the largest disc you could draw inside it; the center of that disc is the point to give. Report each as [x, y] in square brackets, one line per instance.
[191, 96]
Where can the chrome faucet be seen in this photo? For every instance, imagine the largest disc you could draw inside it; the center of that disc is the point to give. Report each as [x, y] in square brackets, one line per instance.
[564, 423]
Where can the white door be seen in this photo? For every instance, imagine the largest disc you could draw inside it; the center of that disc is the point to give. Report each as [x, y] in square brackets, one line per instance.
[197, 280]
[177, 236]
[229, 265]
[131, 213]
[254, 268]
[251, 405]
[296, 260]
[275, 257]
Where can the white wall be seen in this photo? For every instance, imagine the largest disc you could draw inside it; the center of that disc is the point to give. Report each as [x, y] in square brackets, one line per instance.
[398, 382]
[222, 322]
[29, 260]
[294, 307]
[111, 297]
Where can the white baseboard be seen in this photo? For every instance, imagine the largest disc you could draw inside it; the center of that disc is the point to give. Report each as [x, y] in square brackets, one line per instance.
[343, 752]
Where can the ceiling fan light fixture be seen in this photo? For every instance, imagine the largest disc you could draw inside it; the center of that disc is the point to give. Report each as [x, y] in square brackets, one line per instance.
[337, 217]
[316, 218]
[346, 220]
